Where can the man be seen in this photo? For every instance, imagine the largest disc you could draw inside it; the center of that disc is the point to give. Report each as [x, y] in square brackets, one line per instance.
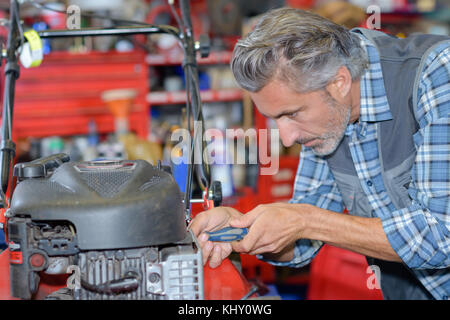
[372, 114]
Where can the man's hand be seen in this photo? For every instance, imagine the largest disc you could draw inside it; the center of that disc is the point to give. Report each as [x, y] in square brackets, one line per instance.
[212, 220]
[273, 229]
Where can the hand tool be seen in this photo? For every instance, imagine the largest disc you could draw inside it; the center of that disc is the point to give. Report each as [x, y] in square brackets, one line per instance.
[227, 234]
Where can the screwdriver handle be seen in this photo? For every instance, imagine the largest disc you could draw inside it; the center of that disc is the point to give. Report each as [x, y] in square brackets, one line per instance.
[227, 234]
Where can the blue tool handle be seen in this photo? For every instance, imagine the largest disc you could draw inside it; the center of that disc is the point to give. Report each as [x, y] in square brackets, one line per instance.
[227, 234]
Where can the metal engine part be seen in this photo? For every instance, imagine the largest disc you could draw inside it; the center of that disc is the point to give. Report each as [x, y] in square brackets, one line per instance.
[172, 272]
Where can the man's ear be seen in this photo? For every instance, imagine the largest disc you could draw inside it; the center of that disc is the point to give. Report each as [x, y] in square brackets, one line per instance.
[340, 87]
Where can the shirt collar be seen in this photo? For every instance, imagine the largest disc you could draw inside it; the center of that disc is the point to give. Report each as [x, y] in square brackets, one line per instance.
[374, 103]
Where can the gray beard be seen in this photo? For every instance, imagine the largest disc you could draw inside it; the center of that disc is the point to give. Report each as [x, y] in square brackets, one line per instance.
[332, 138]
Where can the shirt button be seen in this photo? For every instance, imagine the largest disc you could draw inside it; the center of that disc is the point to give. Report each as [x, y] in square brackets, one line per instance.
[369, 183]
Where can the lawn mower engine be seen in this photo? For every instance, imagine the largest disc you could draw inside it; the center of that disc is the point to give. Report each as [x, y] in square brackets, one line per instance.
[118, 226]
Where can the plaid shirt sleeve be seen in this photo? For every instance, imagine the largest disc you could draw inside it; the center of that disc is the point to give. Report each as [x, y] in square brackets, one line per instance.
[315, 185]
[420, 233]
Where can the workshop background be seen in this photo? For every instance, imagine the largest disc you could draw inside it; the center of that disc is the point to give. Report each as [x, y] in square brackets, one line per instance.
[74, 102]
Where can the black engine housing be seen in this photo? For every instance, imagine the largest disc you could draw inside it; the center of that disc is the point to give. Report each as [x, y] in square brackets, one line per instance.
[137, 203]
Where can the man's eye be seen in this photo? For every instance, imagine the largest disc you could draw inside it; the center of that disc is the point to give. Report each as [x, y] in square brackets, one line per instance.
[292, 115]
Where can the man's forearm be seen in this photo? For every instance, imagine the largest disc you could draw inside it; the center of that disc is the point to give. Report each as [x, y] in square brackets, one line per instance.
[362, 235]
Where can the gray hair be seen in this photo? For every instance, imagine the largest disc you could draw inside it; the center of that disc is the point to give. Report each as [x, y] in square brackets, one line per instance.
[297, 47]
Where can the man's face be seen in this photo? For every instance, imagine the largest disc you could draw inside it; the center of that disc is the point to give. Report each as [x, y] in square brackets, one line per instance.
[313, 119]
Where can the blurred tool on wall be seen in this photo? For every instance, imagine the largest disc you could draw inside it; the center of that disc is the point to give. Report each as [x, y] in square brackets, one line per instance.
[343, 13]
[120, 102]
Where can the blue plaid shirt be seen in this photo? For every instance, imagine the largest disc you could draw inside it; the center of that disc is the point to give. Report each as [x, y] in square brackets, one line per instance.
[419, 233]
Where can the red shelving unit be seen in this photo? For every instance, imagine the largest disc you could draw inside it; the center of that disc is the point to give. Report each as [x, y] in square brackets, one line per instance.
[179, 97]
[63, 95]
[218, 57]
[280, 186]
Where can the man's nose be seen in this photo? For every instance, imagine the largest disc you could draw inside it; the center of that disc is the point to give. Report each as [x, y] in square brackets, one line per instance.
[288, 132]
